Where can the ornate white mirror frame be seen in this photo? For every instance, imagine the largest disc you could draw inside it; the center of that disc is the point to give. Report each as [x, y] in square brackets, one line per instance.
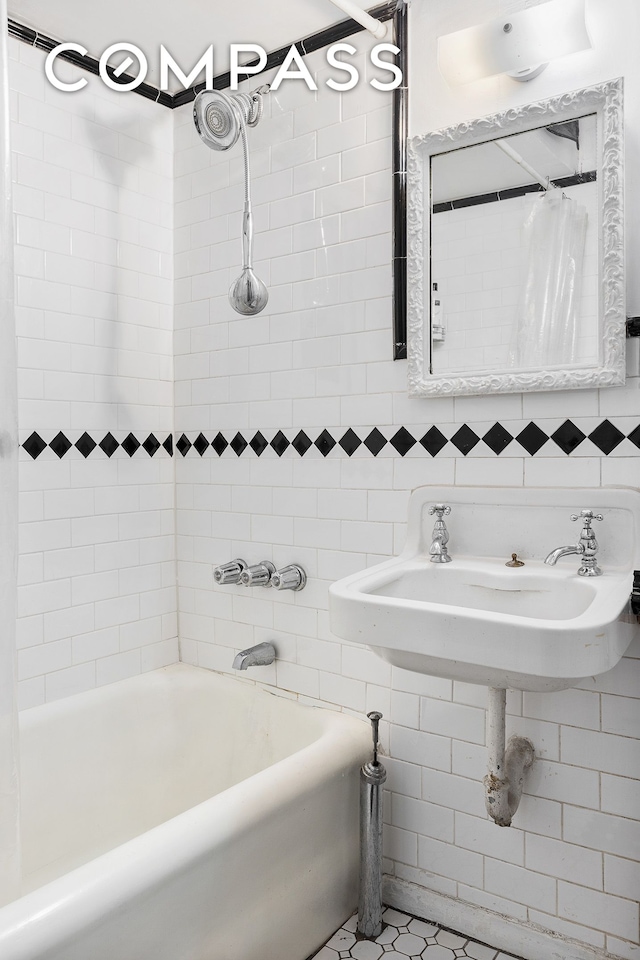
[605, 101]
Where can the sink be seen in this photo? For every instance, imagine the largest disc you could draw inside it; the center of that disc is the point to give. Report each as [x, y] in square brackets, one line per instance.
[534, 627]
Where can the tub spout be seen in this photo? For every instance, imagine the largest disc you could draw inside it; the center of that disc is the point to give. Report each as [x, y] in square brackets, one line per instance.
[258, 656]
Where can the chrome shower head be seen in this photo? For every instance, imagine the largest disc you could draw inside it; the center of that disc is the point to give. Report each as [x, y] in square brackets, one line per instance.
[221, 118]
[218, 116]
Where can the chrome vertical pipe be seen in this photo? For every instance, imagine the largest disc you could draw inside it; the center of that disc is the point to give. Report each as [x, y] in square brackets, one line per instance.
[372, 777]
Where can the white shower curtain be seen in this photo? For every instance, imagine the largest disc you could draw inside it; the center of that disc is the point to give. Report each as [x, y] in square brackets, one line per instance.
[546, 328]
[9, 799]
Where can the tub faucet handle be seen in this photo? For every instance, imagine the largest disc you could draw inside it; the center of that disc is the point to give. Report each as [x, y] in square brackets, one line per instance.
[292, 577]
[229, 572]
[259, 575]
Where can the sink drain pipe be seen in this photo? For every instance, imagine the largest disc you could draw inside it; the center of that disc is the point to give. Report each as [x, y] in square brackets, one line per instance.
[507, 766]
[372, 776]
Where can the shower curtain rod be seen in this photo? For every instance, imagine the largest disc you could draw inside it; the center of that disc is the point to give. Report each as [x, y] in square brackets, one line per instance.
[378, 29]
[510, 152]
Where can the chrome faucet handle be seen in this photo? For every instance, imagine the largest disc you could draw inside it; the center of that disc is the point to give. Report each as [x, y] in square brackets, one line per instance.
[292, 577]
[259, 575]
[440, 535]
[588, 516]
[229, 572]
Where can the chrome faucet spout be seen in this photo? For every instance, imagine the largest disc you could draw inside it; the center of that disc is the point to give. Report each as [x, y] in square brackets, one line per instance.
[572, 548]
[258, 656]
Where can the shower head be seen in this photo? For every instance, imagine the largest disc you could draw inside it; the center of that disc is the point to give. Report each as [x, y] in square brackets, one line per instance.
[221, 118]
[218, 116]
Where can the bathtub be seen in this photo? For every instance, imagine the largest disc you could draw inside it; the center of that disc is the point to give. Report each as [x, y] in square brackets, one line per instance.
[182, 815]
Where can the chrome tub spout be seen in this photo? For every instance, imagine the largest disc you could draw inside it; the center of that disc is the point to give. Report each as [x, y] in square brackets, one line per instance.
[258, 656]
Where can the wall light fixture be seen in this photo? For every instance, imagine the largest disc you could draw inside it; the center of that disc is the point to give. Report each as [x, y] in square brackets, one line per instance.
[520, 45]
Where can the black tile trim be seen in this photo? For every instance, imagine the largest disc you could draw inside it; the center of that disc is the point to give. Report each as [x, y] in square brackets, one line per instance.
[633, 326]
[315, 41]
[90, 64]
[433, 440]
[445, 205]
[400, 132]
[106, 444]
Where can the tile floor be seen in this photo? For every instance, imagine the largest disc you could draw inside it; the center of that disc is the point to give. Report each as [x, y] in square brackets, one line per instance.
[405, 938]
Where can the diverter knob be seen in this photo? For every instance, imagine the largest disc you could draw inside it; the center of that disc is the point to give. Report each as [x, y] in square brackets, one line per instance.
[292, 577]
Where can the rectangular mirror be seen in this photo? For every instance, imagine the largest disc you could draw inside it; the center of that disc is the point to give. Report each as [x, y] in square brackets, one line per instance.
[515, 249]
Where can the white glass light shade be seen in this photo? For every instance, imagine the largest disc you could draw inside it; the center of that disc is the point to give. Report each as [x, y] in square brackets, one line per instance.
[512, 44]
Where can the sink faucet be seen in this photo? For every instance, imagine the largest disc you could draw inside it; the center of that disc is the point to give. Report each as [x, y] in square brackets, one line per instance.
[438, 548]
[258, 656]
[587, 546]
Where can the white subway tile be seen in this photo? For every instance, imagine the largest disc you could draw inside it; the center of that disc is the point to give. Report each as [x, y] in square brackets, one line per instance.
[425, 819]
[599, 910]
[480, 834]
[524, 886]
[602, 751]
[452, 720]
[601, 831]
[449, 860]
[409, 744]
[620, 795]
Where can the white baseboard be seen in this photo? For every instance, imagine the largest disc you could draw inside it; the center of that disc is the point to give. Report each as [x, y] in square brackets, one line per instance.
[512, 936]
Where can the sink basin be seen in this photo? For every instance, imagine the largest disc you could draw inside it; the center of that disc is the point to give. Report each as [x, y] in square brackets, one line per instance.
[535, 627]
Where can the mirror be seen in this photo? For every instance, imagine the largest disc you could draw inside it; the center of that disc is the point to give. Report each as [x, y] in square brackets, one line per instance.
[515, 249]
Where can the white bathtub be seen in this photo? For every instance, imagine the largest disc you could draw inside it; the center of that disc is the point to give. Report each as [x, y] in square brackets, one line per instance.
[182, 815]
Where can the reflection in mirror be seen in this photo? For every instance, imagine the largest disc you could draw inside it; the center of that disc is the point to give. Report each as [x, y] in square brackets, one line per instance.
[515, 249]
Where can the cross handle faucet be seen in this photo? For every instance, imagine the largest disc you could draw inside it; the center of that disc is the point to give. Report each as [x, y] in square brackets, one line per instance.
[587, 546]
[440, 535]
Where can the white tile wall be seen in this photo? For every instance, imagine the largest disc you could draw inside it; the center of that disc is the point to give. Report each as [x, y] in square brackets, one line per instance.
[94, 217]
[320, 357]
[98, 293]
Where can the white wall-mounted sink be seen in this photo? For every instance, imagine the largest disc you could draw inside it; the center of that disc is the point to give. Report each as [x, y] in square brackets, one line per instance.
[535, 627]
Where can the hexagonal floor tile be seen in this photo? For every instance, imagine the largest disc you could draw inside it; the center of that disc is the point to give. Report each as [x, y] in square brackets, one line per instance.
[366, 950]
[478, 951]
[422, 929]
[341, 940]
[437, 952]
[451, 940]
[409, 945]
[388, 935]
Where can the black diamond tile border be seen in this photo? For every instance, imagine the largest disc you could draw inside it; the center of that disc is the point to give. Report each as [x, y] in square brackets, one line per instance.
[465, 439]
[606, 436]
[258, 444]
[350, 442]
[374, 442]
[34, 445]
[86, 445]
[497, 438]
[325, 443]
[568, 437]
[201, 443]
[532, 438]
[280, 443]
[60, 444]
